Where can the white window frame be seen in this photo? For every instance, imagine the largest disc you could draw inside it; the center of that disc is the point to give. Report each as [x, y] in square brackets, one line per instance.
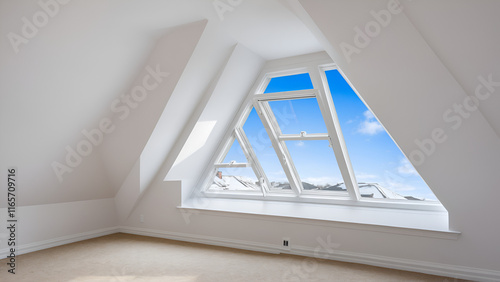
[315, 65]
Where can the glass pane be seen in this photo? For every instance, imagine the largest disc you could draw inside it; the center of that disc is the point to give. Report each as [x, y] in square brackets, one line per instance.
[239, 178]
[261, 144]
[235, 154]
[289, 83]
[315, 163]
[298, 115]
[377, 192]
[375, 157]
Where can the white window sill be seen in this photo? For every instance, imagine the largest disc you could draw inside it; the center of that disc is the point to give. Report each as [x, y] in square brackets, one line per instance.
[398, 221]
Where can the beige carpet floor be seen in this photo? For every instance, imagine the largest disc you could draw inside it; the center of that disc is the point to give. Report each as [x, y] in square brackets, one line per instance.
[125, 257]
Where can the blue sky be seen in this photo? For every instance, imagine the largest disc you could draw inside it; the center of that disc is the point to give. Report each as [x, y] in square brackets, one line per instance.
[374, 155]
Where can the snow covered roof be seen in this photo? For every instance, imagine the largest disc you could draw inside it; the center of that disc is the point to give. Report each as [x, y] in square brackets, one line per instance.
[231, 182]
[374, 190]
[367, 190]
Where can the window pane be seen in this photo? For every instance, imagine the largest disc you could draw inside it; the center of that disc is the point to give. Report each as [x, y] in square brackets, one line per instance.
[315, 163]
[374, 155]
[377, 192]
[289, 83]
[235, 154]
[261, 144]
[240, 178]
[298, 115]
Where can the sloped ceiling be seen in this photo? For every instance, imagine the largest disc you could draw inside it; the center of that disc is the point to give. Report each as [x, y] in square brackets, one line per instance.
[63, 79]
[464, 35]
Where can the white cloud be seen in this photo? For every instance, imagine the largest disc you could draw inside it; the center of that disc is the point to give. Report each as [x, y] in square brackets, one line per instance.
[300, 144]
[368, 114]
[405, 168]
[370, 125]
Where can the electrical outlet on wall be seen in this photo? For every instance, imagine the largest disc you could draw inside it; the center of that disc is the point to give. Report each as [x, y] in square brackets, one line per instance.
[286, 243]
[141, 218]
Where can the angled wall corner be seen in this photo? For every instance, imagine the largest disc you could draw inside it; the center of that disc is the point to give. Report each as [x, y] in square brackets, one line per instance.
[129, 191]
[122, 151]
[187, 100]
[136, 112]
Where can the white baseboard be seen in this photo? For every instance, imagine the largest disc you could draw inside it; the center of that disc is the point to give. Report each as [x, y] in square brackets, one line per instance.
[37, 246]
[382, 261]
[447, 270]
[207, 240]
[453, 271]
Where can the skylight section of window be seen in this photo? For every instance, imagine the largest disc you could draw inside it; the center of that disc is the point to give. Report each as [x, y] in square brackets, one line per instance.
[297, 115]
[289, 83]
[235, 179]
[316, 165]
[375, 157]
[263, 149]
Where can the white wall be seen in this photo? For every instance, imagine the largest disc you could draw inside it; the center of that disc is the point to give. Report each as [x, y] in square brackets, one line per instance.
[472, 26]
[129, 151]
[135, 123]
[398, 75]
[44, 226]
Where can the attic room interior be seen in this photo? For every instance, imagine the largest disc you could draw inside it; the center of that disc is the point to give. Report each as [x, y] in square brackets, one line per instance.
[247, 140]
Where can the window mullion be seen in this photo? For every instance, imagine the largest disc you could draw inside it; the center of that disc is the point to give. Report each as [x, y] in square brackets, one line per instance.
[336, 138]
[304, 136]
[286, 95]
[232, 165]
[271, 125]
[252, 158]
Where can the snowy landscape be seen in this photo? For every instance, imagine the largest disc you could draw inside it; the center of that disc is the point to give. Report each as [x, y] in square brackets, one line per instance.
[244, 183]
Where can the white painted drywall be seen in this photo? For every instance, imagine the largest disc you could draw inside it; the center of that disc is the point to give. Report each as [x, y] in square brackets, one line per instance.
[42, 223]
[408, 87]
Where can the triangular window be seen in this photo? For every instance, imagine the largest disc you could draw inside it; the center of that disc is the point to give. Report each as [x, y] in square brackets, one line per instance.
[306, 135]
[235, 172]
